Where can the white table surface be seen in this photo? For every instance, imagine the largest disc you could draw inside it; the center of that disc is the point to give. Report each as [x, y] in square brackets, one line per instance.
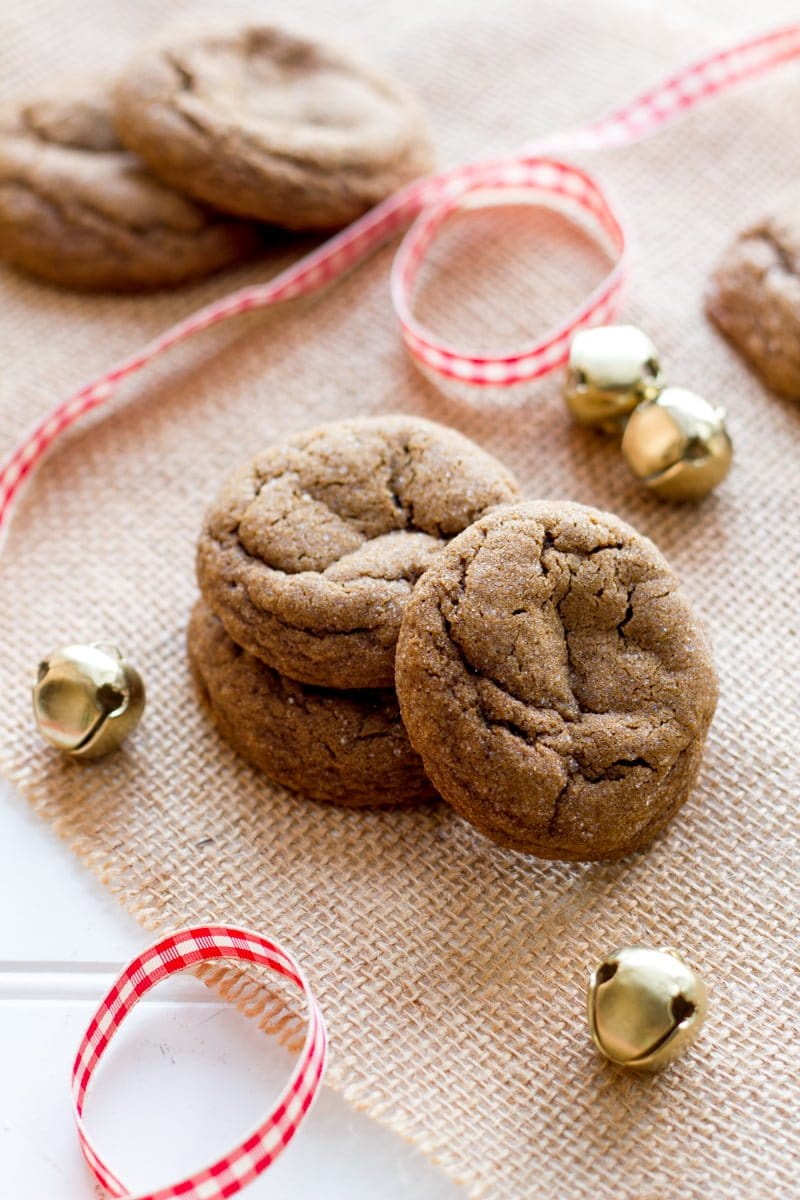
[186, 1076]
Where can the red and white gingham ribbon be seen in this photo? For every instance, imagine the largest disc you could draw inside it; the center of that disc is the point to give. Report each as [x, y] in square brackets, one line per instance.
[536, 172]
[185, 949]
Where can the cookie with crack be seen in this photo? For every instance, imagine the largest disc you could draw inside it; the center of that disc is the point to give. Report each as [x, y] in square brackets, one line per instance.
[258, 122]
[310, 553]
[556, 682]
[754, 298]
[78, 210]
[349, 748]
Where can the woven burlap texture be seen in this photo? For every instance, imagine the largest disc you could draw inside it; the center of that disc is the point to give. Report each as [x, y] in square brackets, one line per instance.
[452, 973]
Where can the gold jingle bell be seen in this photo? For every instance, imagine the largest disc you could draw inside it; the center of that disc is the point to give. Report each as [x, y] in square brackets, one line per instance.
[645, 1007]
[87, 699]
[677, 445]
[674, 441]
[611, 369]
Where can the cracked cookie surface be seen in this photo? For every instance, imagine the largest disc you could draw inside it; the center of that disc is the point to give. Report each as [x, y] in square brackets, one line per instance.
[556, 682]
[754, 298]
[310, 553]
[349, 748]
[79, 210]
[264, 124]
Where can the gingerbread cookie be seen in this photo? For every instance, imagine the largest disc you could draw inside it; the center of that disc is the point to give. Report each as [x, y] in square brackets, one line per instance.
[79, 210]
[310, 553]
[346, 747]
[754, 298]
[263, 124]
[556, 682]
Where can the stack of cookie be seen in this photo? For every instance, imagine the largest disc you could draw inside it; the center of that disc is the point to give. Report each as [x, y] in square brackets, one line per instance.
[306, 563]
[552, 681]
[166, 173]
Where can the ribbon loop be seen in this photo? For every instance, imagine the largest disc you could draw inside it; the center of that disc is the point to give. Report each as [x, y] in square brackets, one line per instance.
[533, 180]
[259, 1150]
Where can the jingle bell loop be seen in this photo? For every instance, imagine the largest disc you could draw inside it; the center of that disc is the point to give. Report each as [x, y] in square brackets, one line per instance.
[644, 1007]
[87, 699]
[674, 441]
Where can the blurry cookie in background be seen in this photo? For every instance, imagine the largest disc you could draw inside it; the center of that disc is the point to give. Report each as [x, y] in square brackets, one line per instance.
[264, 124]
[78, 210]
[754, 297]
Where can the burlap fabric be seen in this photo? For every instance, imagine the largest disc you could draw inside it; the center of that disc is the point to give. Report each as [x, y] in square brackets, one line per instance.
[451, 972]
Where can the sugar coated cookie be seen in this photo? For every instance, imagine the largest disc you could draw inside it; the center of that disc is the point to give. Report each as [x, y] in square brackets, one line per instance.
[346, 747]
[264, 124]
[556, 682]
[754, 298]
[79, 210]
[310, 553]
